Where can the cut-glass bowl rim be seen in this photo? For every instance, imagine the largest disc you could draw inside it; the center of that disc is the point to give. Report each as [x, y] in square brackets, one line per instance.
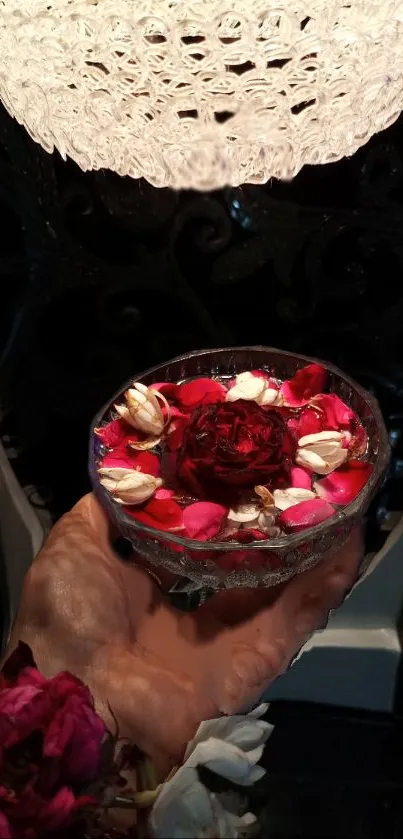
[288, 541]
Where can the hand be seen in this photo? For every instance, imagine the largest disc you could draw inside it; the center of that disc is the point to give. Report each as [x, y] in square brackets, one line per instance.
[157, 671]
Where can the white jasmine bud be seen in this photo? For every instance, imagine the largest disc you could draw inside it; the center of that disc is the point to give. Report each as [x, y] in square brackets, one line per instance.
[285, 498]
[322, 452]
[144, 410]
[128, 486]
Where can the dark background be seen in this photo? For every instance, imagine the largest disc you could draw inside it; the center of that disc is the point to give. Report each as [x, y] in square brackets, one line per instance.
[102, 277]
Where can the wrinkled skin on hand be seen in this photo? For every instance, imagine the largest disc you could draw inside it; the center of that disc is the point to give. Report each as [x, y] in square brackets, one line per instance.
[161, 671]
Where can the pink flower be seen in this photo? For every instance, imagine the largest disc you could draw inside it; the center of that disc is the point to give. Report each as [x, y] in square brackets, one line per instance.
[50, 746]
[131, 459]
[203, 520]
[306, 514]
[40, 815]
[304, 385]
[342, 486]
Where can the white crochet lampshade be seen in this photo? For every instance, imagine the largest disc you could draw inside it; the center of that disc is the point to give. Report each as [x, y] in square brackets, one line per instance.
[202, 93]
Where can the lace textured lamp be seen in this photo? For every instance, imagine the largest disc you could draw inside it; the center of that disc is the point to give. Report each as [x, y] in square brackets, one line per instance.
[200, 93]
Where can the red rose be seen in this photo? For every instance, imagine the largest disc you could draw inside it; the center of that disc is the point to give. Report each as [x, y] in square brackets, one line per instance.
[233, 446]
[50, 750]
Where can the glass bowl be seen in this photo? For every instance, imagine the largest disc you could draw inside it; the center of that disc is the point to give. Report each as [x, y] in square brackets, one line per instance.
[203, 564]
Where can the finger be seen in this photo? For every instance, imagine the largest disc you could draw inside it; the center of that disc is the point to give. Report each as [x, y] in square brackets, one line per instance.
[248, 657]
[236, 606]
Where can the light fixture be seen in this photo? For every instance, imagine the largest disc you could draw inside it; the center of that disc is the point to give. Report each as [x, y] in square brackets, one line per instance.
[202, 93]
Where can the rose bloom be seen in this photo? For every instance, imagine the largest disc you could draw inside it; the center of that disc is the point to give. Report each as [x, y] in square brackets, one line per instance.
[232, 446]
[50, 750]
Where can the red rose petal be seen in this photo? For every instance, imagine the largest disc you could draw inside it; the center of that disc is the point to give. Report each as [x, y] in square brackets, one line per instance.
[148, 463]
[306, 514]
[200, 392]
[308, 423]
[115, 433]
[175, 432]
[122, 456]
[301, 478]
[203, 520]
[304, 385]
[236, 560]
[132, 459]
[168, 389]
[163, 514]
[343, 485]
[251, 534]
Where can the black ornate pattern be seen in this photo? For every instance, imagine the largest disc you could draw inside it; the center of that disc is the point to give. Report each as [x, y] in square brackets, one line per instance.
[102, 275]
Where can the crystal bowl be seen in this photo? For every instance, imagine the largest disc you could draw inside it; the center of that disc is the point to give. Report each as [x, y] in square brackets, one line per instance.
[295, 553]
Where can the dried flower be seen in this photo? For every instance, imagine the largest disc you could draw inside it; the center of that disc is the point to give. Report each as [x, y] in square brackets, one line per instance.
[128, 486]
[51, 742]
[322, 452]
[144, 410]
[256, 388]
[285, 498]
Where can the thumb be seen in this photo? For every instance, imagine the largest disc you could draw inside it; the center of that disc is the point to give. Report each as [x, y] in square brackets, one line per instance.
[88, 517]
[92, 514]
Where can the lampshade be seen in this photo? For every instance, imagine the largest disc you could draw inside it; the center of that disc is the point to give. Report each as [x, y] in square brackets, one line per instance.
[202, 93]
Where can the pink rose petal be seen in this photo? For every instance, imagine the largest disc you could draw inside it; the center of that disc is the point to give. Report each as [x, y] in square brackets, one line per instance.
[115, 433]
[203, 520]
[200, 392]
[5, 829]
[132, 459]
[301, 478]
[306, 514]
[162, 494]
[335, 414]
[342, 486]
[163, 514]
[304, 385]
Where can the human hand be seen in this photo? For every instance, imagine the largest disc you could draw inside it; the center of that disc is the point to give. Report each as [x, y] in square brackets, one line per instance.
[157, 671]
